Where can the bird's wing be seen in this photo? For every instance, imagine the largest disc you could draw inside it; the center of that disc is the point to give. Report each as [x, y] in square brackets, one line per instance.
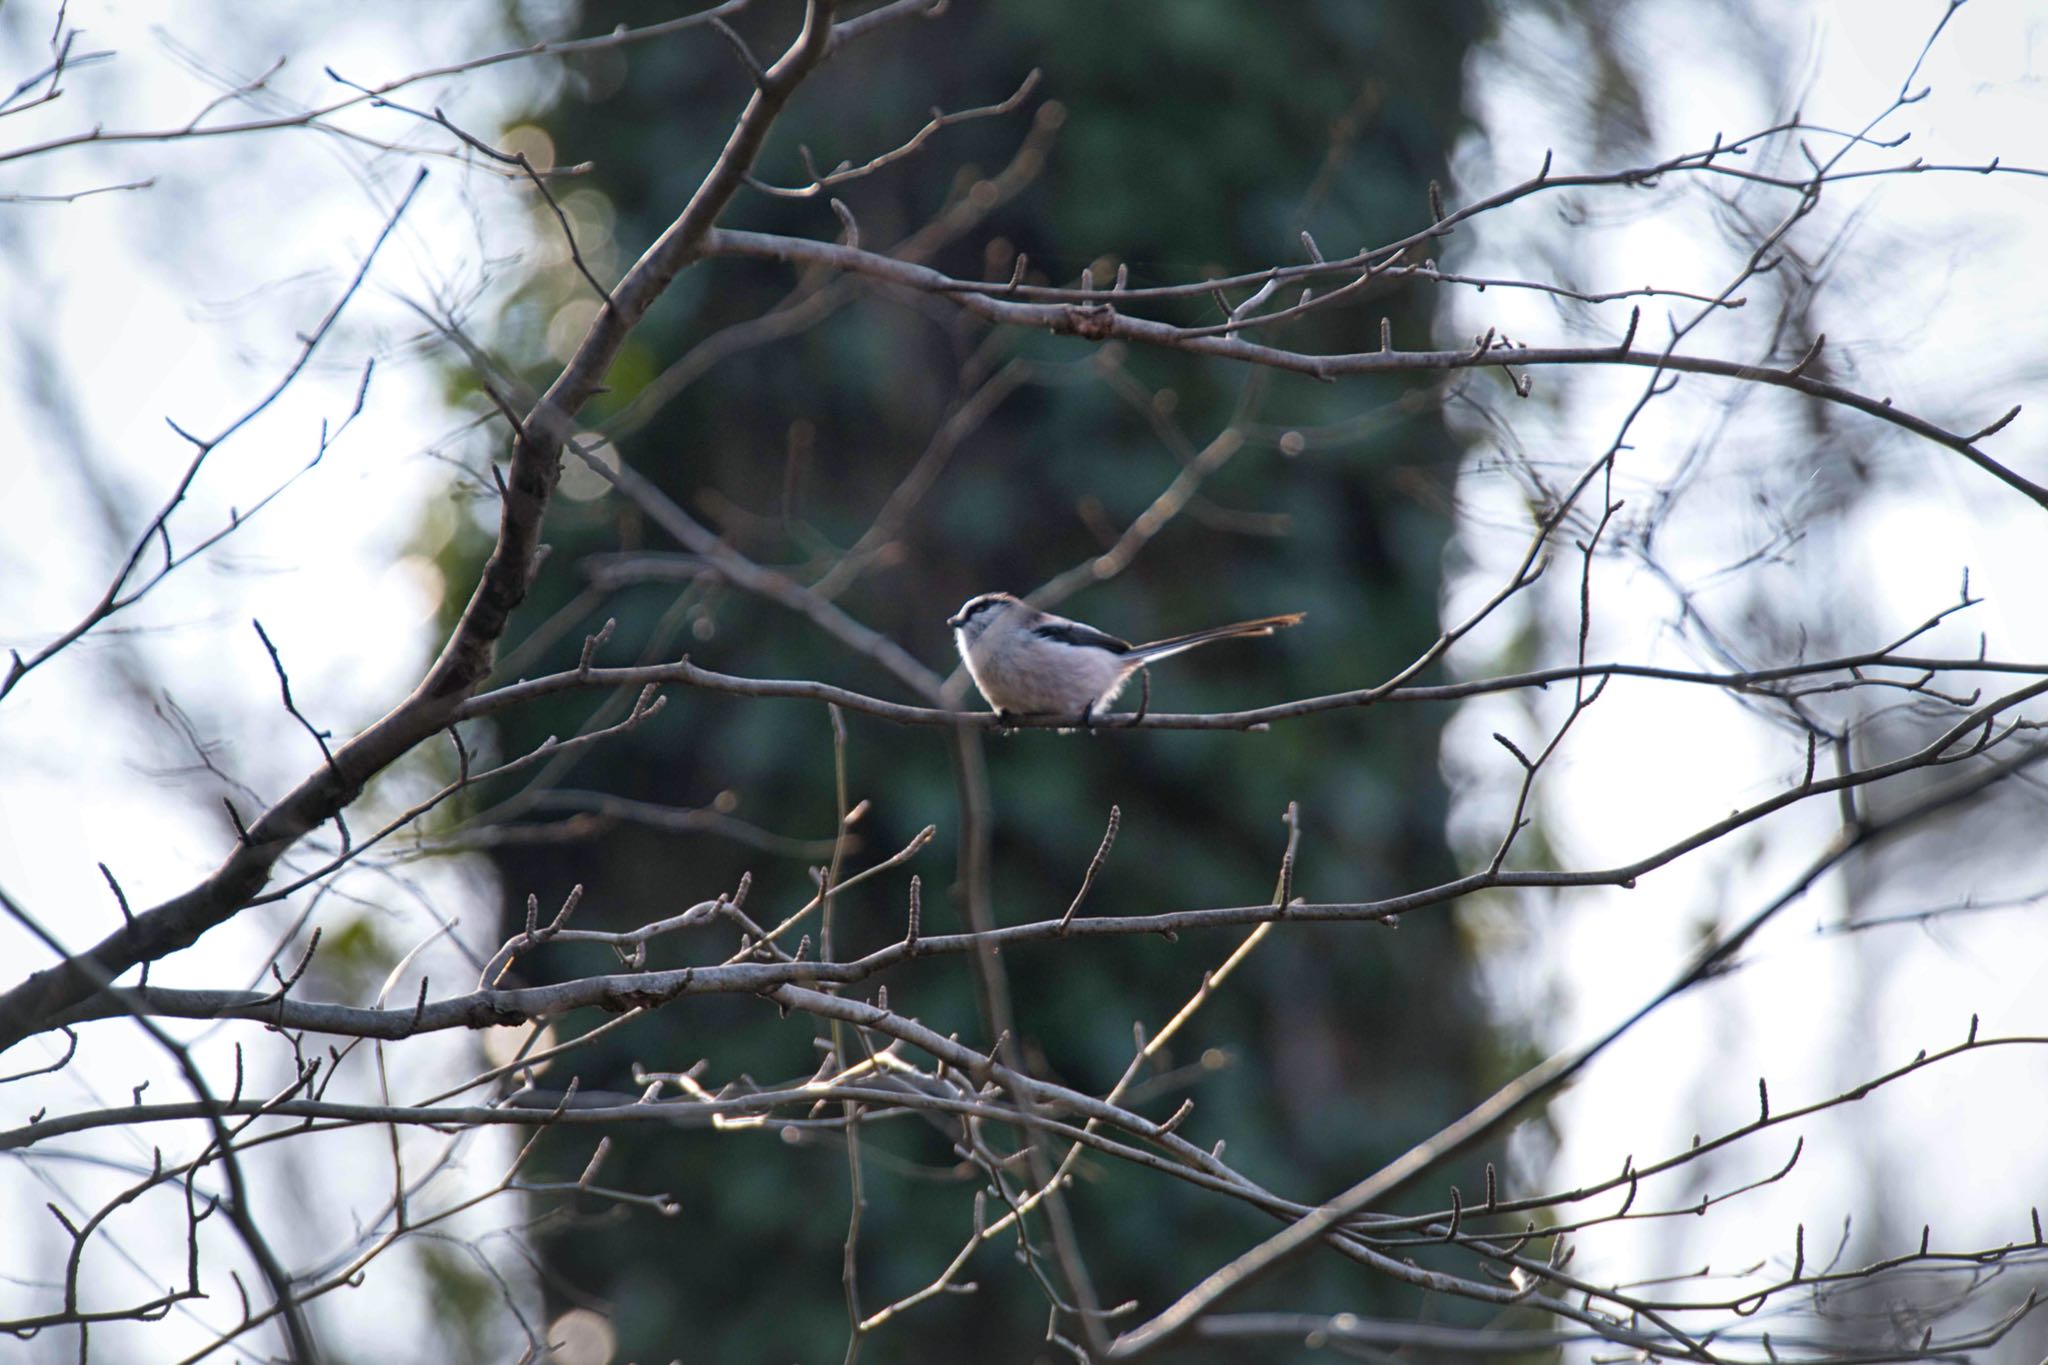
[1085, 637]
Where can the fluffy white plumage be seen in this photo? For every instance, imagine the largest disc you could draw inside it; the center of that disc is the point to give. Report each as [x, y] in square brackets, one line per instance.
[1032, 663]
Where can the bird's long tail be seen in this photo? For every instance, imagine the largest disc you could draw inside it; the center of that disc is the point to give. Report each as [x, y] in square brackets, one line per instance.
[1161, 649]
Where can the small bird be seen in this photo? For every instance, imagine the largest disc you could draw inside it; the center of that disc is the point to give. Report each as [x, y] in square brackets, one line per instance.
[1029, 662]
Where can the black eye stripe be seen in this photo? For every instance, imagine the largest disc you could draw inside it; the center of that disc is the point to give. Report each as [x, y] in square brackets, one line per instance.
[973, 609]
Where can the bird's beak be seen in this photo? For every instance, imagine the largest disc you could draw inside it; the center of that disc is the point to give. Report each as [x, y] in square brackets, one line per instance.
[956, 621]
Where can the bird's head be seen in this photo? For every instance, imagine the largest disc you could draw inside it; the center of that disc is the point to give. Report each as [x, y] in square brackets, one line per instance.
[976, 613]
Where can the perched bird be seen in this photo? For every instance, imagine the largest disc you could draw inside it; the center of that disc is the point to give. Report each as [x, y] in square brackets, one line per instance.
[1029, 662]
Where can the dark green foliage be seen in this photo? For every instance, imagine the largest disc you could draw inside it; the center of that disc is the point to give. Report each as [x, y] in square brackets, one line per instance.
[1198, 135]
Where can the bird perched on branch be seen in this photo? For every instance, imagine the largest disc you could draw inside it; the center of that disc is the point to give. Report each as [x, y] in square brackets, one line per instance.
[1029, 662]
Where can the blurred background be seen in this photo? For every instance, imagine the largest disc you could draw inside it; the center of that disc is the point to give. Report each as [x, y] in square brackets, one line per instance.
[1171, 142]
[1226, 138]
